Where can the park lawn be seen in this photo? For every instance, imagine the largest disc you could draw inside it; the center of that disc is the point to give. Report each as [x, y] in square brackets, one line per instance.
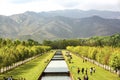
[100, 73]
[30, 70]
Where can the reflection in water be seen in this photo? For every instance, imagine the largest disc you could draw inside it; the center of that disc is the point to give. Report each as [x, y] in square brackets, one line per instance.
[55, 78]
[57, 66]
[57, 69]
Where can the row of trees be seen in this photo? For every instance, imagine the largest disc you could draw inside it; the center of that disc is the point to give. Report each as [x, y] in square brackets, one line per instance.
[113, 41]
[9, 42]
[104, 55]
[61, 44]
[14, 51]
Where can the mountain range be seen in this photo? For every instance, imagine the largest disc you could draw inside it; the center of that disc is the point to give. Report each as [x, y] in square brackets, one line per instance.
[60, 24]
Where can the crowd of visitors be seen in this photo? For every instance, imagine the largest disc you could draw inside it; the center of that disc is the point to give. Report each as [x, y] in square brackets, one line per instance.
[85, 72]
[11, 78]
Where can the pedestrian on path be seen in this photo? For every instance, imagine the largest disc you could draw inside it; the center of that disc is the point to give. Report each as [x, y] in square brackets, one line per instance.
[86, 71]
[94, 69]
[82, 70]
[10, 78]
[4, 78]
[78, 70]
[86, 77]
[91, 70]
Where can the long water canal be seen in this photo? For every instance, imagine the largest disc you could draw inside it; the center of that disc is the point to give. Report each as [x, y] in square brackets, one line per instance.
[57, 69]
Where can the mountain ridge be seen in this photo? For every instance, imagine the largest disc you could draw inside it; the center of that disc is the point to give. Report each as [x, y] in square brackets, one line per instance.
[46, 25]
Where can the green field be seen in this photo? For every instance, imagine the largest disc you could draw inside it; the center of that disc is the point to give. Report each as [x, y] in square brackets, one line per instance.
[31, 70]
[100, 73]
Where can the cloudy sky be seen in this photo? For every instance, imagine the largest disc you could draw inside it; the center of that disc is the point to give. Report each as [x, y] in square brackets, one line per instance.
[9, 7]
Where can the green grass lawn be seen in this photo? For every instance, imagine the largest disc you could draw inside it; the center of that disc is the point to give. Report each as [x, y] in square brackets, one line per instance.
[100, 73]
[30, 70]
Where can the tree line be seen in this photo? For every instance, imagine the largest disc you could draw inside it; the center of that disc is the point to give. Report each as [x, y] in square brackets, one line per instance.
[104, 55]
[113, 41]
[15, 51]
[103, 49]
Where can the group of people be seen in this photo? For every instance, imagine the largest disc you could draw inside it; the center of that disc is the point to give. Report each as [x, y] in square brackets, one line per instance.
[84, 60]
[82, 70]
[11, 78]
[85, 72]
[69, 56]
[85, 77]
[92, 70]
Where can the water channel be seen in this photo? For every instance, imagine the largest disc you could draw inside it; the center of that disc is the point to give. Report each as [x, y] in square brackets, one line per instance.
[57, 69]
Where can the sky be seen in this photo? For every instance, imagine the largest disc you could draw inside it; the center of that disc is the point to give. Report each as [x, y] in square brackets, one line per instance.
[10, 7]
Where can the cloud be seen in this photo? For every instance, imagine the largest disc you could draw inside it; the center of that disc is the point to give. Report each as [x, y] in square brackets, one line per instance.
[20, 1]
[68, 3]
[99, 5]
[8, 7]
[90, 4]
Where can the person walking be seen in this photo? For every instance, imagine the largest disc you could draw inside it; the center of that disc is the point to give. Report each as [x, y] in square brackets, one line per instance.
[4, 78]
[91, 70]
[78, 70]
[86, 71]
[82, 70]
[86, 77]
[94, 69]
[10, 78]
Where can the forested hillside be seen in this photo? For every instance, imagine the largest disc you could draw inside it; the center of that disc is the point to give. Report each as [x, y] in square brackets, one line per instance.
[64, 24]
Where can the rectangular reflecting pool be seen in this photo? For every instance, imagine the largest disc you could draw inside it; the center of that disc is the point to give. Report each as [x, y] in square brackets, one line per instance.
[57, 66]
[57, 69]
[55, 78]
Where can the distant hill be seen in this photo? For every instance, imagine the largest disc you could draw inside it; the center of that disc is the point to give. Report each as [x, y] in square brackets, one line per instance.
[60, 24]
[75, 13]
